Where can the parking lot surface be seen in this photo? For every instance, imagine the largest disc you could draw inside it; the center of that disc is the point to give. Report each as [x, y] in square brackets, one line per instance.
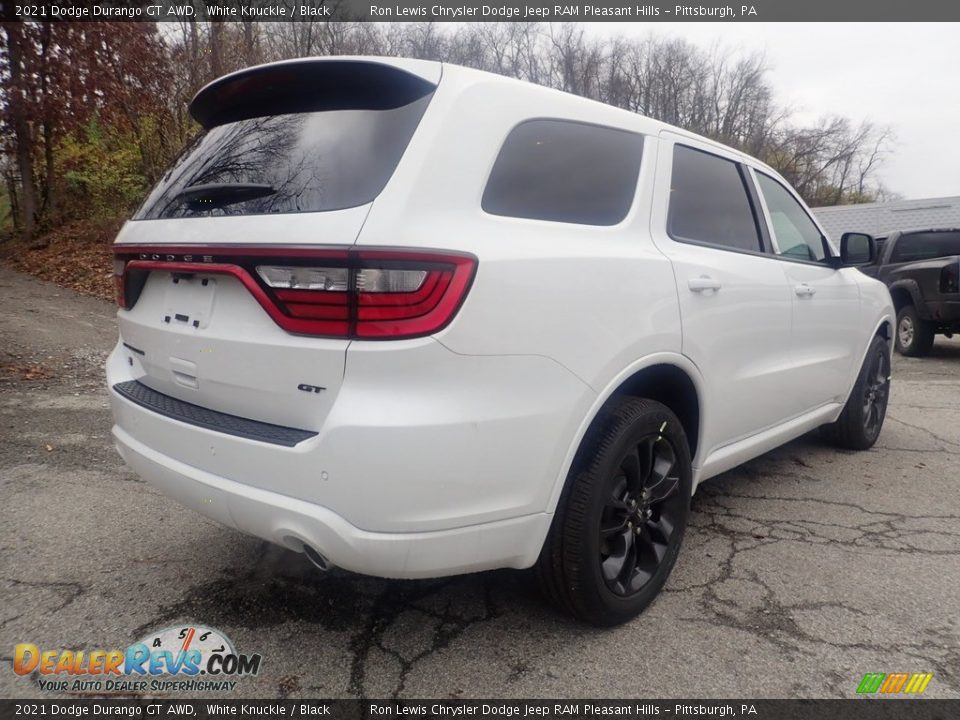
[801, 571]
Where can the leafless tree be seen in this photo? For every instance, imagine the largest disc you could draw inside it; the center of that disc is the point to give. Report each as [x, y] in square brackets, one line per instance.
[718, 92]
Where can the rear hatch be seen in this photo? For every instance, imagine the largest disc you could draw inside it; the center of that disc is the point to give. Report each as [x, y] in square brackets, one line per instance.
[235, 275]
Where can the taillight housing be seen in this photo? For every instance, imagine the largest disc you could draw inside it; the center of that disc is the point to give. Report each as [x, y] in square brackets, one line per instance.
[950, 278]
[119, 267]
[356, 293]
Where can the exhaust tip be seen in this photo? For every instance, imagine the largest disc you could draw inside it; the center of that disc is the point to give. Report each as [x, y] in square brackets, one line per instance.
[318, 560]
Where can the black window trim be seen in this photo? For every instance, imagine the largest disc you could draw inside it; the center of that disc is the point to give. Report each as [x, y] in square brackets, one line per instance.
[644, 139]
[752, 200]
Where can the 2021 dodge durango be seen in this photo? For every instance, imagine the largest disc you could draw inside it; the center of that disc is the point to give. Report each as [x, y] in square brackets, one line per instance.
[416, 320]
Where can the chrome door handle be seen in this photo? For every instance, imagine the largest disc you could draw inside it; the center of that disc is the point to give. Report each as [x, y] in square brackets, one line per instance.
[703, 283]
[804, 290]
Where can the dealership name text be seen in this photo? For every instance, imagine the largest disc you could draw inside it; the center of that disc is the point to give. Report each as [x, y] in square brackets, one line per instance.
[557, 710]
[556, 11]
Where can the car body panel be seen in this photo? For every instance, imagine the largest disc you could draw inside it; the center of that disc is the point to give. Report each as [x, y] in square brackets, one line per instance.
[449, 453]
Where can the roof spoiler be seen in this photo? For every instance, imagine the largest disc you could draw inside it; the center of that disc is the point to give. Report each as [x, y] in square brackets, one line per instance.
[307, 85]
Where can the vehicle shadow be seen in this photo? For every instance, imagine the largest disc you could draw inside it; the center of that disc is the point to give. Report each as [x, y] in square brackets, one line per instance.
[945, 348]
[406, 622]
[412, 623]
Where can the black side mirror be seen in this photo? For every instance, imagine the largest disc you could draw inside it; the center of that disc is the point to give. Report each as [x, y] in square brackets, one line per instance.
[857, 249]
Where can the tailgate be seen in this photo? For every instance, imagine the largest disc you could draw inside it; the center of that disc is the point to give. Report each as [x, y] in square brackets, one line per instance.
[233, 278]
[200, 335]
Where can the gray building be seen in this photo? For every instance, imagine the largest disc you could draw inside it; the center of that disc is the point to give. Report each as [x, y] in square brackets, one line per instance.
[884, 217]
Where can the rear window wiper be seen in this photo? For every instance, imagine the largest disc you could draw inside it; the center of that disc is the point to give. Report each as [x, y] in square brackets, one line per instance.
[220, 194]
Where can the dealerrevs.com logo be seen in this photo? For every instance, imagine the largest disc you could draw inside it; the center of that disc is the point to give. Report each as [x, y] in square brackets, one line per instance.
[190, 658]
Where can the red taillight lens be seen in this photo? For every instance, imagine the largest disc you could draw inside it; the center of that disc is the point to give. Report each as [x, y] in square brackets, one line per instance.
[370, 294]
[950, 278]
[399, 297]
[119, 267]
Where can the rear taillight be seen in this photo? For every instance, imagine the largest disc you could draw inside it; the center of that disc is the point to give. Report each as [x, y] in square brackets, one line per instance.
[304, 278]
[119, 266]
[950, 278]
[370, 294]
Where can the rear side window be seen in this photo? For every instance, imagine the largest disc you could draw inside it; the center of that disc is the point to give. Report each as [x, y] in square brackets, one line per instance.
[709, 202]
[565, 172]
[925, 246]
[287, 163]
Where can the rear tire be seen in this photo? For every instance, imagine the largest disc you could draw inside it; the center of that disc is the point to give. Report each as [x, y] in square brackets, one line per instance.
[914, 335]
[622, 515]
[859, 425]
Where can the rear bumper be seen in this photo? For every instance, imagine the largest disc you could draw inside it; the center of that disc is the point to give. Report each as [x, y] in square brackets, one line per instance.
[429, 463]
[294, 523]
[945, 312]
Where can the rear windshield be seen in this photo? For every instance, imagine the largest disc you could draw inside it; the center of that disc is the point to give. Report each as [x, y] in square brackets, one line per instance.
[926, 245]
[290, 163]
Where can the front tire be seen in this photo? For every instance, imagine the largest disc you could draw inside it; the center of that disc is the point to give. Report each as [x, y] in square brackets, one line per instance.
[859, 425]
[914, 335]
[622, 516]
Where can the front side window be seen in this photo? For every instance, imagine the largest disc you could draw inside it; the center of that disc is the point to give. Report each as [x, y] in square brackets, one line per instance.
[709, 203]
[565, 171]
[796, 234]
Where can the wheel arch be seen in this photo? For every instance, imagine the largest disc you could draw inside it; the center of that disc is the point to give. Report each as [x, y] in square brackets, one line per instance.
[670, 386]
[884, 328]
[668, 378]
[900, 296]
[906, 292]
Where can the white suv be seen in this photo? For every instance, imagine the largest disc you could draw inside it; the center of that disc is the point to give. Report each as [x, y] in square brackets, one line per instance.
[416, 320]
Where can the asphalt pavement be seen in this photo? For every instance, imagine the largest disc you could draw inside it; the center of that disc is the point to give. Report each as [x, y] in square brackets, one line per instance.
[801, 571]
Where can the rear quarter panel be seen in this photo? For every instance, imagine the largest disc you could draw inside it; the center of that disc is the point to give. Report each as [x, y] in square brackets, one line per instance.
[925, 274]
[600, 302]
[593, 299]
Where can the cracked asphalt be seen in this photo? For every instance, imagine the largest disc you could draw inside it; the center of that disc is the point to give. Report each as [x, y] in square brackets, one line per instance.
[801, 571]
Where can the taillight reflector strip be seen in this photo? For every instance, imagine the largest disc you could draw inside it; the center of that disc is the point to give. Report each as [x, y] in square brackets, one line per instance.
[390, 294]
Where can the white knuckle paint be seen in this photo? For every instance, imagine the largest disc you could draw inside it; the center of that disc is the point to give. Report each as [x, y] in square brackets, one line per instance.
[447, 454]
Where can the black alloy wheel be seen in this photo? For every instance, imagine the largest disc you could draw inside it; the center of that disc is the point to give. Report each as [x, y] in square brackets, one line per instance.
[622, 514]
[876, 391]
[861, 420]
[642, 511]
